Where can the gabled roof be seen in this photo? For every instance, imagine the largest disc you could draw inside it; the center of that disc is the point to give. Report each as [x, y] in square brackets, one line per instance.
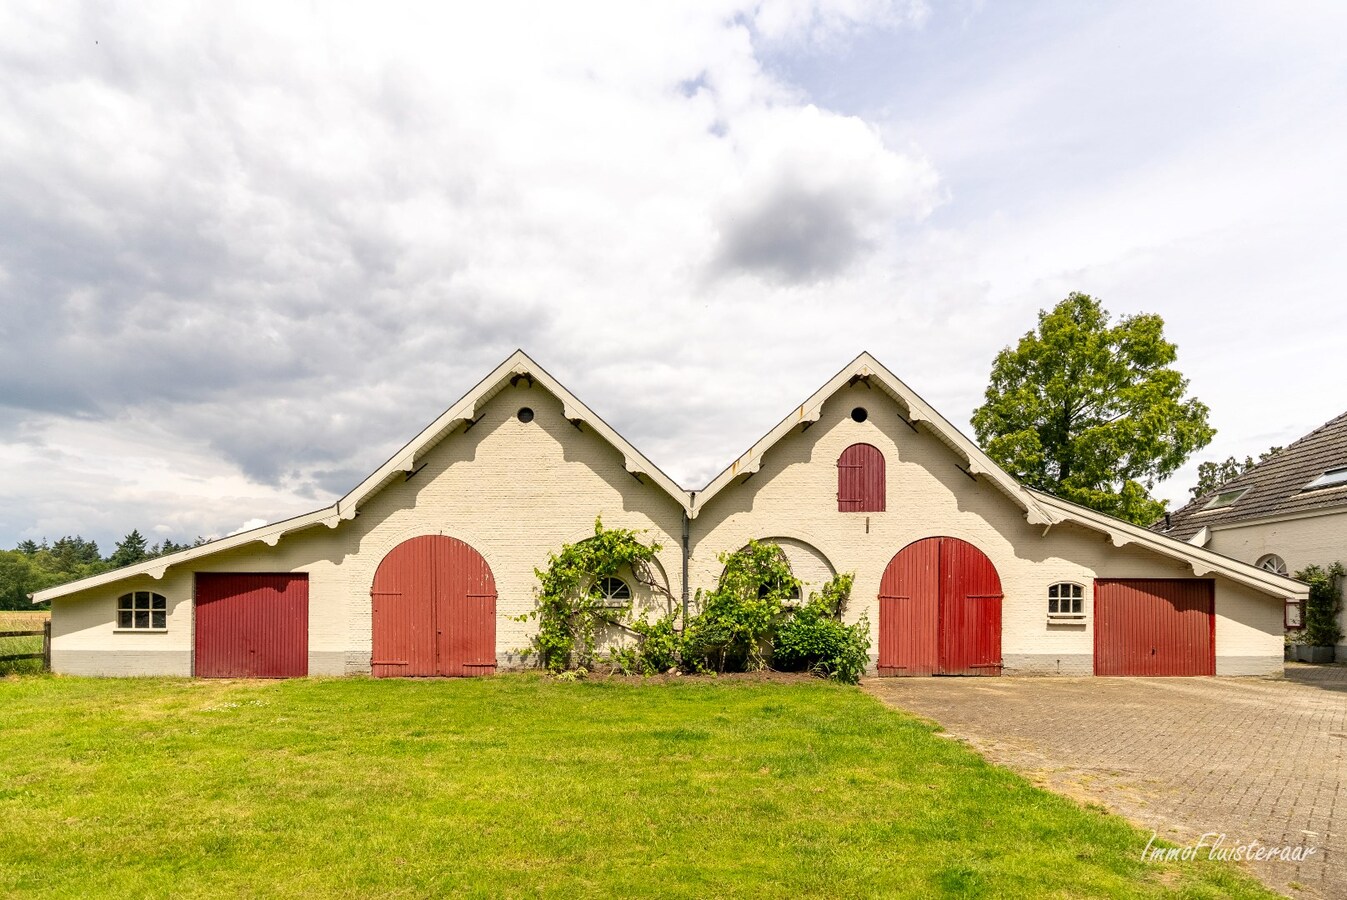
[1039, 508]
[518, 365]
[865, 368]
[1273, 487]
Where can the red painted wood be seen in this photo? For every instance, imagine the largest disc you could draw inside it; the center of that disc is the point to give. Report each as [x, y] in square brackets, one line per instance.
[404, 619]
[909, 611]
[940, 611]
[434, 610]
[970, 611]
[251, 625]
[860, 479]
[1155, 626]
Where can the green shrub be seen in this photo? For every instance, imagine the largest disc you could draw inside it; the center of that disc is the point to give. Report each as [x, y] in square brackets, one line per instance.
[658, 647]
[734, 629]
[814, 639]
[1324, 605]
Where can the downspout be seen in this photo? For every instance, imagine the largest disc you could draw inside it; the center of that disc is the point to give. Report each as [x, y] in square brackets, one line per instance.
[687, 522]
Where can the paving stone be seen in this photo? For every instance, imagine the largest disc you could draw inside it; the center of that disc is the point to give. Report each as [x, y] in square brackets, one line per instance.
[1252, 758]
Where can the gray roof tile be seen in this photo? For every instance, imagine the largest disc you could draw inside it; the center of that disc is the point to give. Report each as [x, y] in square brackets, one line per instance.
[1275, 486]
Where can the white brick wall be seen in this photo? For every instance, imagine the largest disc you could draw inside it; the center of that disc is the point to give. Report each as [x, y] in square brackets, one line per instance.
[516, 492]
[1312, 540]
[795, 495]
[513, 491]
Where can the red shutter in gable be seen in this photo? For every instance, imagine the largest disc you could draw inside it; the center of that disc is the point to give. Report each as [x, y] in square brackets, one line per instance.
[860, 479]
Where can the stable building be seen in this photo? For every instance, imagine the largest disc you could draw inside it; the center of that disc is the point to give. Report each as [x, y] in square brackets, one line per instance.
[426, 567]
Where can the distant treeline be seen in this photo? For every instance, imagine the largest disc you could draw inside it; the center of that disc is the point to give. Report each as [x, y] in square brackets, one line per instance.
[32, 566]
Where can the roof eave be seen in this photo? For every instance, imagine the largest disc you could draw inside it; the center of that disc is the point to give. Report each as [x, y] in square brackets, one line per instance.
[269, 534]
[404, 460]
[1200, 560]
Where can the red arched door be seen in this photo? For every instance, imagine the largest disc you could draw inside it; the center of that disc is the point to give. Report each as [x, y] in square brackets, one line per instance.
[940, 611]
[434, 610]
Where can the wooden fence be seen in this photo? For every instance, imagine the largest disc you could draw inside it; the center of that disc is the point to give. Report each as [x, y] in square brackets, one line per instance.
[45, 655]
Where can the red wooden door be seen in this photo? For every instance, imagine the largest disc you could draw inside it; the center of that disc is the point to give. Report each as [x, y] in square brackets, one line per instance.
[434, 610]
[970, 611]
[909, 611]
[465, 610]
[1155, 626]
[940, 611]
[251, 625]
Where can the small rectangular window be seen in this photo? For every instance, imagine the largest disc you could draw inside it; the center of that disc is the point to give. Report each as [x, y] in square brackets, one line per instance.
[1331, 478]
[1295, 615]
[142, 610]
[1225, 498]
[1066, 599]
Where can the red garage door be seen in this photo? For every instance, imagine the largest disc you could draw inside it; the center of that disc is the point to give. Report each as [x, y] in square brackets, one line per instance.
[251, 625]
[1154, 626]
[940, 611]
[434, 610]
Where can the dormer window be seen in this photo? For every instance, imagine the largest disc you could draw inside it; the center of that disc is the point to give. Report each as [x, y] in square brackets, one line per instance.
[1331, 478]
[1226, 498]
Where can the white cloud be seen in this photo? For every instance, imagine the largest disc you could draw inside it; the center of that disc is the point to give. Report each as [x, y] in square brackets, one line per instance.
[289, 236]
[247, 251]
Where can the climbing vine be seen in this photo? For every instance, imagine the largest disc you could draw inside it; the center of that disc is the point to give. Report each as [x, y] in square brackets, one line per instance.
[571, 610]
[734, 627]
[751, 620]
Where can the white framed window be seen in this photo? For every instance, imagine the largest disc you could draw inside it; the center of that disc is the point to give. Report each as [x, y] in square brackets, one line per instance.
[1273, 563]
[614, 591]
[1066, 600]
[1225, 498]
[1331, 478]
[142, 611]
[1294, 617]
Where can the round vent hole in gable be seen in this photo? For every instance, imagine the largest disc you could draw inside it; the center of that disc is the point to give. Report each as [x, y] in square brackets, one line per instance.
[859, 414]
[526, 415]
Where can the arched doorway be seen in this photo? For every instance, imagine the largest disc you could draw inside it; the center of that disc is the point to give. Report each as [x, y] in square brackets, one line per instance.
[434, 610]
[940, 611]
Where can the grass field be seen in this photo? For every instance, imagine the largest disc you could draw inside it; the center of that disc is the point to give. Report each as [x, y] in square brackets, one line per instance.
[525, 786]
[21, 621]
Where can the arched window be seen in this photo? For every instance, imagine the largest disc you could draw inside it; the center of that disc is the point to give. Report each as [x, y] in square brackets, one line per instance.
[860, 479]
[142, 610]
[615, 592]
[1066, 598]
[1273, 563]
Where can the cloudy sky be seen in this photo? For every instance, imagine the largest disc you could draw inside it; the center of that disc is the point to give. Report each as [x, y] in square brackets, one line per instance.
[246, 251]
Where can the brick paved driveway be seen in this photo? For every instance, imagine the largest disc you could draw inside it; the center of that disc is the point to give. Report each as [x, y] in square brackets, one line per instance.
[1252, 758]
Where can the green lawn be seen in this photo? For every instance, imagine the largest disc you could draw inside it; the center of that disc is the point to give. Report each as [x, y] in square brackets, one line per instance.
[525, 786]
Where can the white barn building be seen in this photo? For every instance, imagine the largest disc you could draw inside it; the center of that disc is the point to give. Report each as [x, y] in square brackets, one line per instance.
[426, 566]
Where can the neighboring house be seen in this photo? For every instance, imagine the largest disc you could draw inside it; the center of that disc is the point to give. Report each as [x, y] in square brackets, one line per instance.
[426, 567]
[1286, 513]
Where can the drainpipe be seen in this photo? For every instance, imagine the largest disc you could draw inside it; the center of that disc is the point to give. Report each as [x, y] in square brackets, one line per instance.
[687, 522]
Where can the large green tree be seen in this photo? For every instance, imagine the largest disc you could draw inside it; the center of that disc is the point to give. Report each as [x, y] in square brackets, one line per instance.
[1092, 410]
